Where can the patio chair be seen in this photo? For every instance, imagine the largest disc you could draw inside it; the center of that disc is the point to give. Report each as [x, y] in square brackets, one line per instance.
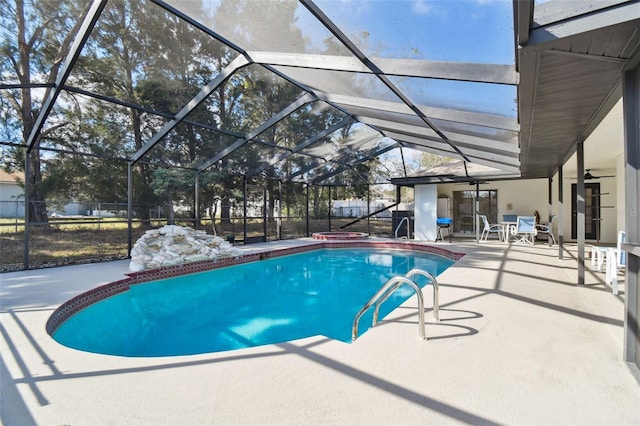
[490, 228]
[509, 217]
[598, 254]
[547, 228]
[616, 260]
[525, 230]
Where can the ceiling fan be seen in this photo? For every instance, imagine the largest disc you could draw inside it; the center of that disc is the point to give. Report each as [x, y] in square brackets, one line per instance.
[589, 176]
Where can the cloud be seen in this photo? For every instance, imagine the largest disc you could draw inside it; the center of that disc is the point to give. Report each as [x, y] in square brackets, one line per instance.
[350, 7]
[420, 7]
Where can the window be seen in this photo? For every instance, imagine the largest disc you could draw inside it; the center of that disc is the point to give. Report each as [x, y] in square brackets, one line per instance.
[464, 206]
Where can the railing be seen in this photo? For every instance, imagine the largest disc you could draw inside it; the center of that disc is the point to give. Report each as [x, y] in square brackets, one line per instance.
[387, 289]
[436, 292]
[400, 224]
[411, 273]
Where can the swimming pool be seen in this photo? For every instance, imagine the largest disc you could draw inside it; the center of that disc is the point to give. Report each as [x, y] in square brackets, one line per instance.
[265, 302]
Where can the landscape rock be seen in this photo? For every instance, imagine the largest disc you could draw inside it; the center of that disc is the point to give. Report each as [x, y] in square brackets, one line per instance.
[173, 245]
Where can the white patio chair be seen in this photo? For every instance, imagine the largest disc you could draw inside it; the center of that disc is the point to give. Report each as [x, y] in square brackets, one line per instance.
[525, 229]
[490, 228]
[616, 260]
[547, 228]
[598, 254]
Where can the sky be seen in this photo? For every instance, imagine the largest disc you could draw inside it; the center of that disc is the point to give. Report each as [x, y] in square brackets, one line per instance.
[437, 30]
[479, 31]
[442, 30]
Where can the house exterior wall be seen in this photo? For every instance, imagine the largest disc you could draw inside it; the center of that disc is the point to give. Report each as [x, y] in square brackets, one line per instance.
[523, 197]
[519, 197]
[611, 202]
[11, 200]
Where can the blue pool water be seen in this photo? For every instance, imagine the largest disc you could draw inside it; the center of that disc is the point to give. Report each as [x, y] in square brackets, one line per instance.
[270, 301]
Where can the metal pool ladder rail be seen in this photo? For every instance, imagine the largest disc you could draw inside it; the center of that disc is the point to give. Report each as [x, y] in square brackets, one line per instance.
[408, 237]
[388, 288]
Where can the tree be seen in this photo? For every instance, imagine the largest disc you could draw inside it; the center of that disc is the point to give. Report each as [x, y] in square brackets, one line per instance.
[152, 64]
[41, 34]
[171, 184]
[248, 98]
[429, 160]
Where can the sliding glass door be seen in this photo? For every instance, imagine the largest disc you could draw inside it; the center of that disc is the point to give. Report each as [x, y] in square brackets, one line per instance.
[592, 216]
[464, 207]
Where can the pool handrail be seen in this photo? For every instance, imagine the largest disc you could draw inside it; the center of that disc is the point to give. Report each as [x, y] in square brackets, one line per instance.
[391, 285]
[411, 273]
[408, 237]
[436, 292]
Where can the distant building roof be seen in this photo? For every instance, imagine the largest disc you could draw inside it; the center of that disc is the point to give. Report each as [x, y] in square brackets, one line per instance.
[6, 177]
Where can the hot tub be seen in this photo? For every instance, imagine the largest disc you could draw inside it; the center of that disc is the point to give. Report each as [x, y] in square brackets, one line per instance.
[340, 235]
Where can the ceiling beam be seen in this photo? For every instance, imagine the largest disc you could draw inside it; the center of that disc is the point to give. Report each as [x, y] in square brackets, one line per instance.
[477, 160]
[468, 141]
[570, 26]
[554, 11]
[507, 160]
[452, 115]
[442, 70]
[523, 19]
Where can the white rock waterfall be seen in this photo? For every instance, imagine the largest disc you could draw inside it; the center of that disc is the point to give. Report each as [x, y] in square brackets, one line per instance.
[173, 245]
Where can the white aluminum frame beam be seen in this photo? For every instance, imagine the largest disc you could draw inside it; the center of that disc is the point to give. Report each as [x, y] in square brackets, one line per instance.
[477, 160]
[523, 17]
[458, 138]
[442, 70]
[492, 159]
[196, 24]
[457, 116]
[563, 24]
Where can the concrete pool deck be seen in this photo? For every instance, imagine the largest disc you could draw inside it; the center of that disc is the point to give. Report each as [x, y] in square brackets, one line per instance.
[518, 343]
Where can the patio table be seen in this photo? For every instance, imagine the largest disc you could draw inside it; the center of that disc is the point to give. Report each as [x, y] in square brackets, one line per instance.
[507, 226]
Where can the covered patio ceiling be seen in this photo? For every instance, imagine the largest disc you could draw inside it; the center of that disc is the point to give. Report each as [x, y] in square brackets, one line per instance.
[570, 61]
[545, 79]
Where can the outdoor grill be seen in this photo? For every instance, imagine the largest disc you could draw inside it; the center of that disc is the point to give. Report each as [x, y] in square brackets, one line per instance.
[444, 223]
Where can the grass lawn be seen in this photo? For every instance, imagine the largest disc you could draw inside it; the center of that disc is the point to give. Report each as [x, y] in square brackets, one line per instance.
[67, 241]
